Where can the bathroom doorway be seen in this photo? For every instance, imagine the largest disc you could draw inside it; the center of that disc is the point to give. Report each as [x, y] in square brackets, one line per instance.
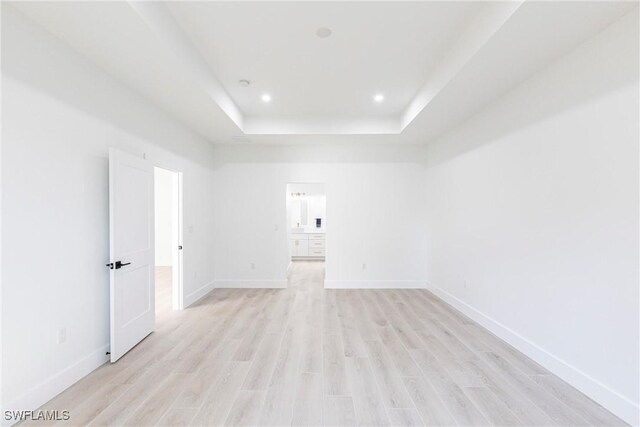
[306, 222]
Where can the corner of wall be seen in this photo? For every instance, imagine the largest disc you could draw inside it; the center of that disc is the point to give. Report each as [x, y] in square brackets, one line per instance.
[198, 294]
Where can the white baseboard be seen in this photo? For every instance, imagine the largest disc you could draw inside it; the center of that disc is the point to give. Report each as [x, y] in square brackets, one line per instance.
[375, 284]
[197, 294]
[251, 284]
[57, 383]
[605, 396]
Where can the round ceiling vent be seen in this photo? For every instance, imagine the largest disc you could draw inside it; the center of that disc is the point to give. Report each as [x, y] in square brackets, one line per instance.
[323, 32]
[244, 82]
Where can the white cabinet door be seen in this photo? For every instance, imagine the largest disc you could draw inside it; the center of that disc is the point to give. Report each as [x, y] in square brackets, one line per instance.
[299, 247]
[303, 248]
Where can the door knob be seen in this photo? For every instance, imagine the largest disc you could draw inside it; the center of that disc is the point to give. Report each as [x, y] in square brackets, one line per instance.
[117, 265]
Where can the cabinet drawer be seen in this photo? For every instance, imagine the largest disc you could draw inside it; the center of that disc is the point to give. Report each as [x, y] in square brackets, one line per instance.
[317, 244]
[316, 252]
[316, 236]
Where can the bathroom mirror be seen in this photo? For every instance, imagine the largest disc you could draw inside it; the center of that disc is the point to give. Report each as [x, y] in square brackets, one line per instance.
[299, 213]
[304, 212]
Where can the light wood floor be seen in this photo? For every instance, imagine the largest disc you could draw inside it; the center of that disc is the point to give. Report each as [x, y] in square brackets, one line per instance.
[310, 356]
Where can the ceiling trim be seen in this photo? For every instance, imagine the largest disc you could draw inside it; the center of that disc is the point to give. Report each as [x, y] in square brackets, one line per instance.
[321, 126]
[160, 19]
[477, 34]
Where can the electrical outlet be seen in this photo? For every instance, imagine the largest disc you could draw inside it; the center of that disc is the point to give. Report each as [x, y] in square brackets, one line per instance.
[466, 283]
[276, 228]
[61, 335]
[364, 266]
[253, 266]
[195, 274]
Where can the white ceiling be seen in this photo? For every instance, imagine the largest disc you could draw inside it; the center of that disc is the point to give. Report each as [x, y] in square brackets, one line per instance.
[377, 47]
[435, 62]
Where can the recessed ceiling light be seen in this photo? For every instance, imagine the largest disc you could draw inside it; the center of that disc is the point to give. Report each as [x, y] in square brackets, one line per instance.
[244, 82]
[323, 32]
[266, 97]
[378, 97]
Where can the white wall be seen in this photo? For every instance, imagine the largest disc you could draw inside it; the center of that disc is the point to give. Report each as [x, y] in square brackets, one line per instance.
[60, 115]
[163, 216]
[534, 203]
[375, 209]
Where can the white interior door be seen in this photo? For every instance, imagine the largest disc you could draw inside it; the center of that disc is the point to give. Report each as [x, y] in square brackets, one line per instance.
[132, 270]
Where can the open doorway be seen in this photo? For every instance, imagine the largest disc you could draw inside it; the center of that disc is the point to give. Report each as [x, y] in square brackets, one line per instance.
[307, 225]
[168, 241]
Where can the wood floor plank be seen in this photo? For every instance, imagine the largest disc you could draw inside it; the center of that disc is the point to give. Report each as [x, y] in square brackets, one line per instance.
[251, 341]
[561, 413]
[278, 406]
[330, 321]
[90, 408]
[335, 376]
[246, 408]
[177, 417]
[307, 409]
[339, 411]
[459, 405]
[403, 361]
[518, 404]
[152, 409]
[262, 367]
[350, 325]
[368, 404]
[491, 407]
[128, 402]
[195, 391]
[222, 394]
[391, 387]
[595, 414]
[429, 404]
[311, 351]
[405, 417]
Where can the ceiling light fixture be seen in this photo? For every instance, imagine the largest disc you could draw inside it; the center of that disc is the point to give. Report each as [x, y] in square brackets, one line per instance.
[244, 82]
[323, 32]
[379, 97]
[266, 97]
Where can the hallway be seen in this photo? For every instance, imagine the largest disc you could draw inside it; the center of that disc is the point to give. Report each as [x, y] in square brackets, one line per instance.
[309, 356]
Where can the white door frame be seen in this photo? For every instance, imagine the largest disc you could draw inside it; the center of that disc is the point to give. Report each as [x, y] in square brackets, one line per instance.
[176, 241]
[177, 285]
